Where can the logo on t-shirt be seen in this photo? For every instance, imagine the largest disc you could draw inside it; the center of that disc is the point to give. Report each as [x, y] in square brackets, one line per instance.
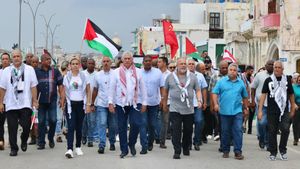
[75, 85]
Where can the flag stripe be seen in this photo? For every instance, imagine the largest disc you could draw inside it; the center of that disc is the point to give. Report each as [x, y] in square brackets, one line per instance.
[99, 47]
[100, 32]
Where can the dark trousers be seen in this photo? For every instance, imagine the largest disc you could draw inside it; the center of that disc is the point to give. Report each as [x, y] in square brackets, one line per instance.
[50, 110]
[273, 125]
[296, 124]
[164, 126]
[135, 120]
[209, 120]
[2, 121]
[181, 124]
[14, 118]
[75, 123]
[250, 119]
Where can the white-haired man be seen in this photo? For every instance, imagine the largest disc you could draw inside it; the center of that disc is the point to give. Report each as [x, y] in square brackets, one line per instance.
[127, 97]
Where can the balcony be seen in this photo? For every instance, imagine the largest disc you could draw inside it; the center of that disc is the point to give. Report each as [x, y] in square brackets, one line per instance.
[270, 22]
[246, 29]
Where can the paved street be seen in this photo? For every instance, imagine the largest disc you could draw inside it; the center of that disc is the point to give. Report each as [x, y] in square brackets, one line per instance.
[207, 158]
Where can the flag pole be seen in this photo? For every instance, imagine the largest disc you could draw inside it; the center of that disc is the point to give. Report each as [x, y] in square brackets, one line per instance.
[82, 39]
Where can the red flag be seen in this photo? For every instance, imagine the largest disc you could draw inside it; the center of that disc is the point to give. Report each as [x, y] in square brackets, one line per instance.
[170, 37]
[229, 56]
[189, 47]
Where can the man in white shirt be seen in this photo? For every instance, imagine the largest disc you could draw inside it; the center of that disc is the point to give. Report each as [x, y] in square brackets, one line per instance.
[5, 60]
[165, 121]
[154, 83]
[18, 87]
[89, 132]
[127, 97]
[100, 100]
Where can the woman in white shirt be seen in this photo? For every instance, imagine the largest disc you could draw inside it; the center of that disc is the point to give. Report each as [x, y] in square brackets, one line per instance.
[76, 88]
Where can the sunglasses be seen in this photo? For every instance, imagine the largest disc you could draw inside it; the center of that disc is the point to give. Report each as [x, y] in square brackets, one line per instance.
[172, 67]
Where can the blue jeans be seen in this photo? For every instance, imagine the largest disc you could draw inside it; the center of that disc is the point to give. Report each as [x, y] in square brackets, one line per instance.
[89, 131]
[101, 124]
[232, 127]
[199, 124]
[135, 121]
[59, 121]
[152, 124]
[112, 127]
[44, 110]
[262, 128]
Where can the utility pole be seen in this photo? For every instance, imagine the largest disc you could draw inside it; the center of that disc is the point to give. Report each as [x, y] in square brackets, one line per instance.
[47, 24]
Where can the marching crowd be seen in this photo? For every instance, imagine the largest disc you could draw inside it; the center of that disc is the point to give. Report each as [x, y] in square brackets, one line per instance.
[187, 102]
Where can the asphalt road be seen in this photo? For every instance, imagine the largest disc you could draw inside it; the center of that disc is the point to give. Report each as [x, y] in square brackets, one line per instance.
[207, 158]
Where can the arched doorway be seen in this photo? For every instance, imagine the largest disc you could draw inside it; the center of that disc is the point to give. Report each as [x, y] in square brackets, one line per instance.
[298, 66]
[273, 51]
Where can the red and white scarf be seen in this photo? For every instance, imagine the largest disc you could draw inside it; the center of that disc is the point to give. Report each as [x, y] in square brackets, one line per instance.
[123, 79]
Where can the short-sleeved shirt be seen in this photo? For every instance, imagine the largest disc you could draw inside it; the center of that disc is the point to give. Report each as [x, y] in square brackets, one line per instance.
[153, 80]
[24, 98]
[48, 82]
[258, 83]
[230, 95]
[102, 83]
[272, 105]
[214, 79]
[296, 88]
[174, 91]
[202, 85]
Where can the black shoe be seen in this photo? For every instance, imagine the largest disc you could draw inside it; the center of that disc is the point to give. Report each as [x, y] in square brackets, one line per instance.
[205, 141]
[150, 147]
[168, 137]
[51, 144]
[122, 155]
[90, 144]
[112, 147]
[144, 151]
[249, 132]
[197, 147]
[186, 152]
[41, 147]
[190, 147]
[13, 153]
[157, 141]
[176, 156]
[84, 141]
[24, 146]
[132, 150]
[163, 146]
[220, 150]
[32, 142]
[261, 145]
[101, 150]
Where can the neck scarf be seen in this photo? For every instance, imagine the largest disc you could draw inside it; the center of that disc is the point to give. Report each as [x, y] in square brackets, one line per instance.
[184, 95]
[17, 75]
[279, 92]
[123, 80]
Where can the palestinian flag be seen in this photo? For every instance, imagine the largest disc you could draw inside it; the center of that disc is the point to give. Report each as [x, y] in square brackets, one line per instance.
[96, 39]
[191, 51]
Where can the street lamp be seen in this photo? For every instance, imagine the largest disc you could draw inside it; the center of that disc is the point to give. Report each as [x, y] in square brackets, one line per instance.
[52, 32]
[34, 12]
[47, 24]
[20, 17]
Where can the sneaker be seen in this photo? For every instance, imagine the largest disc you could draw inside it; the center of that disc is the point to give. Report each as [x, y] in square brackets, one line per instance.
[209, 137]
[163, 146]
[101, 150]
[69, 154]
[295, 143]
[83, 141]
[283, 156]
[112, 147]
[90, 144]
[261, 145]
[272, 157]
[78, 151]
[217, 138]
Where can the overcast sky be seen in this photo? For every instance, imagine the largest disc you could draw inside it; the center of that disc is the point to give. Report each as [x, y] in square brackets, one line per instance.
[114, 17]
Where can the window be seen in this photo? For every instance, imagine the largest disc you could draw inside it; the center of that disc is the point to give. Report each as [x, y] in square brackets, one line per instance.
[214, 20]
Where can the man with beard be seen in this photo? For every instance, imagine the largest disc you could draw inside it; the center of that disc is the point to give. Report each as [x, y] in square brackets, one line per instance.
[181, 85]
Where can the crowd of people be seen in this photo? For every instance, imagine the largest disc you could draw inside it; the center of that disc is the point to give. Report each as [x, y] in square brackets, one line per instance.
[186, 101]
